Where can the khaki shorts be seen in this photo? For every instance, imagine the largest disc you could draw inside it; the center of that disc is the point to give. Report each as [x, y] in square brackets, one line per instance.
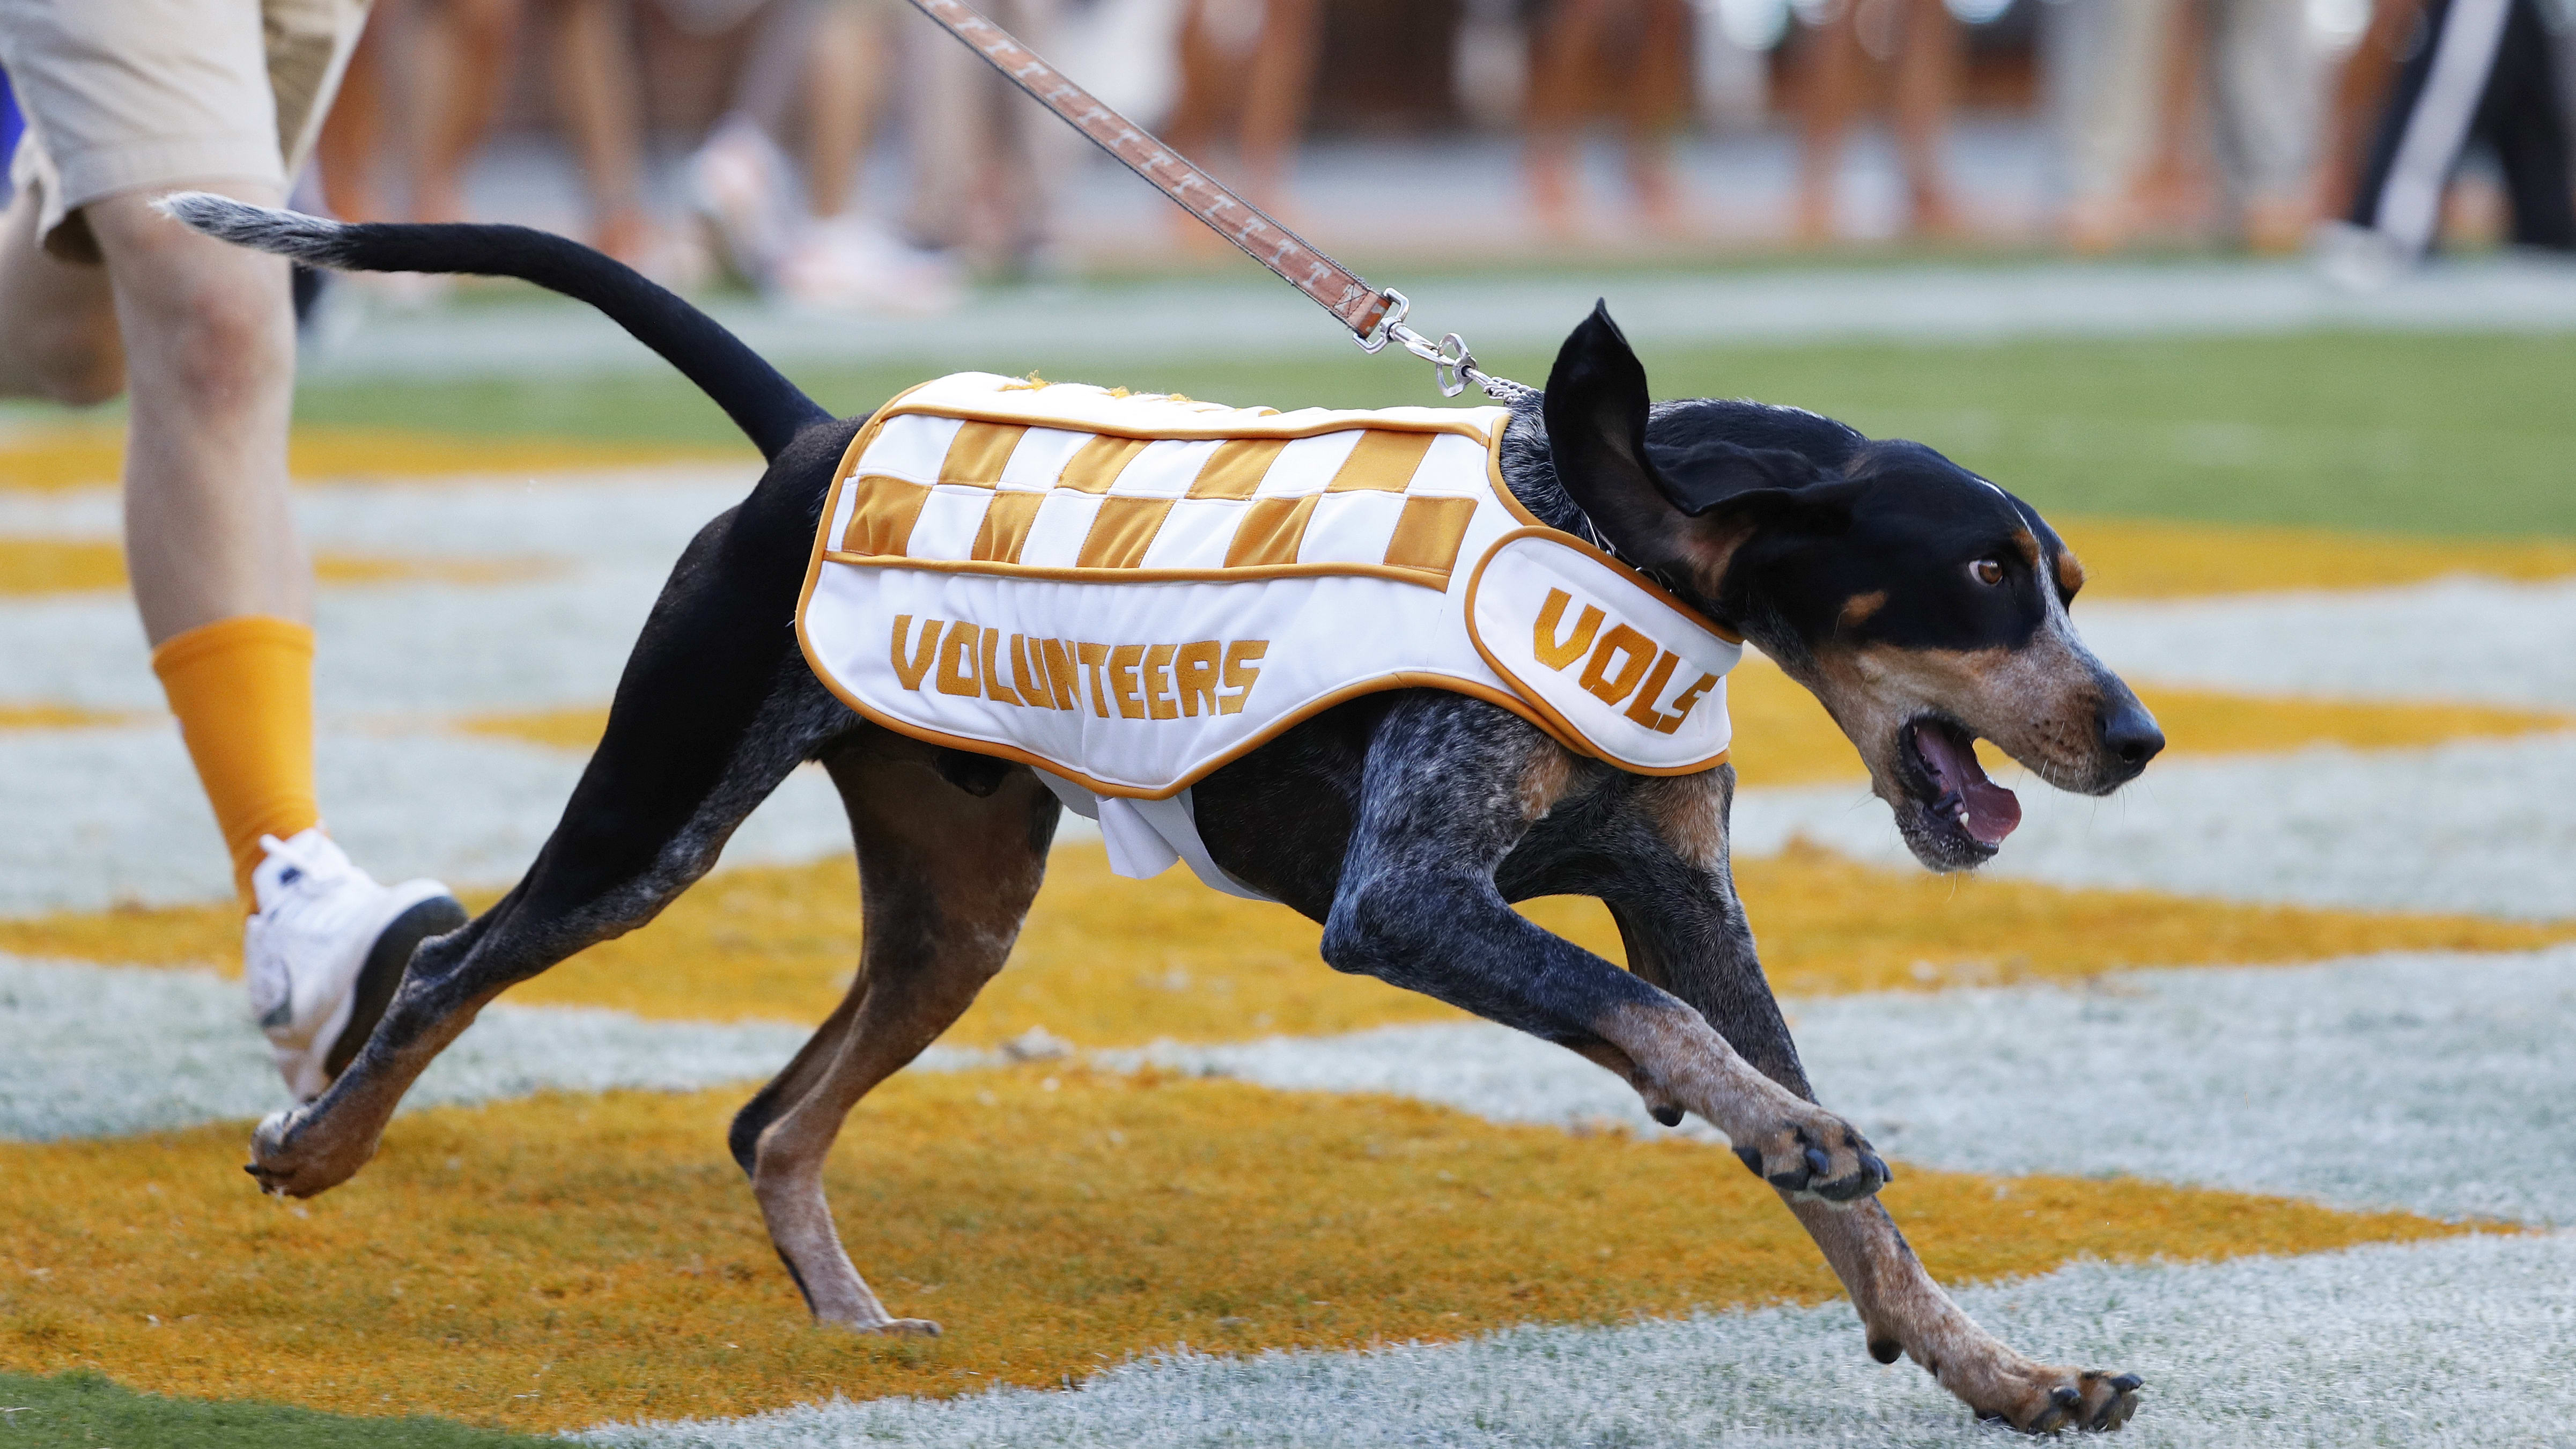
[134, 95]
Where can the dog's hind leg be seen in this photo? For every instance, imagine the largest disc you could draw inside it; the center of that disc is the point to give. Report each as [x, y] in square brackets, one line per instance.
[1674, 899]
[951, 850]
[715, 709]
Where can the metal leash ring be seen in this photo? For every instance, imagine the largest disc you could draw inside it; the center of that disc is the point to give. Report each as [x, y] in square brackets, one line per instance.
[1452, 365]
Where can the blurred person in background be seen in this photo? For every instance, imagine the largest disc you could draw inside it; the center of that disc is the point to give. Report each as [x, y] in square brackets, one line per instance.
[460, 56]
[126, 101]
[832, 58]
[985, 158]
[462, 60]
[2128, 80]
[1838, 39]
[1252, 62]
[2468, 72]
[353, 136]
[1638, 52]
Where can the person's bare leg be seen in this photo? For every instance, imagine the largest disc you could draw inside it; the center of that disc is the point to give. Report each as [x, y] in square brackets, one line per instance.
[209, 531]
[2174, 193]
[1206, 98]
[1658, 103]
[1927, 84]
[1826, 104]
[57, 318]
[845, 74]
[353, 135]
[1561, 65]
[1276, 93]
[461, 58]
[594, 73]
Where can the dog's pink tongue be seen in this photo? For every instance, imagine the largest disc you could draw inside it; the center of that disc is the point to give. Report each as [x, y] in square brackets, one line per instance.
[1993, 811]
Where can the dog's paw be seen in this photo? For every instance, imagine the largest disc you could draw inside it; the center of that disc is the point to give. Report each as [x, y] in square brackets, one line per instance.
[895, 1328]
[290, 1158]
[2047, 1400]
[1820, 1157]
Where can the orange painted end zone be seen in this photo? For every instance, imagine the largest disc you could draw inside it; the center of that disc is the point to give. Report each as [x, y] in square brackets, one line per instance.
[558, 1262]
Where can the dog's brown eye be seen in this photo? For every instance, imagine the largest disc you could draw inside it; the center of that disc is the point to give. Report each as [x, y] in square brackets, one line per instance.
[1986, 571]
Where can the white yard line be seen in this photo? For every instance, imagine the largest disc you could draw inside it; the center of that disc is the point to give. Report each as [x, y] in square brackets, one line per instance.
[2474, 825]
[2431, 1082]
[2452, 1343]
[2447, 639]
[547, 642]
[88, 1051]
[98, 816]
[630, 514]
[543, 643]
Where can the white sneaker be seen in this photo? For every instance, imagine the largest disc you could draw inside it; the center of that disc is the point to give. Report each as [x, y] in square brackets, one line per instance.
[326, 951]
[2358, 258]
[742, 182]
[845, 264]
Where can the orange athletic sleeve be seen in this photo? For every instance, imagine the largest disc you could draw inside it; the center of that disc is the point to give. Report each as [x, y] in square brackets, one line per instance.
[243, 691]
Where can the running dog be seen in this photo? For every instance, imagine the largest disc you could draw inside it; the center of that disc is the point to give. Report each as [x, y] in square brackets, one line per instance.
[1924, 606]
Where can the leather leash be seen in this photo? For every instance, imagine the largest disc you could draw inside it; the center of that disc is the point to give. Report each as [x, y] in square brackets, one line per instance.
[1375, 317]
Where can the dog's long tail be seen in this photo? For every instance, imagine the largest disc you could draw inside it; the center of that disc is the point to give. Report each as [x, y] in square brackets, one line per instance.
[760, 400]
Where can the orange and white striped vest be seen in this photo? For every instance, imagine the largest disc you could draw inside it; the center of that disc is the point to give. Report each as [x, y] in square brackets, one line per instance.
[1127, 592]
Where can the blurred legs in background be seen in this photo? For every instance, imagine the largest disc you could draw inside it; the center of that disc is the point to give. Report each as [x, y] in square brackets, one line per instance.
[2484, 73]
[985, 158]
[1639, 52]
[353, 137]
[1251, 62]
[831, 59]
[2127, 78]
[1922, 39]
[462, 57]
[599, 97]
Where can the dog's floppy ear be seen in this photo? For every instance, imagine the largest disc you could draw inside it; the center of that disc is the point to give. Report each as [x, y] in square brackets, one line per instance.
[1687, 506]
[1595, 408]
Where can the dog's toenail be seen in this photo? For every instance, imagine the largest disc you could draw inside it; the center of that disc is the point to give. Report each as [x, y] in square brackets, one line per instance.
[1751, 1159]
[1819, 1164]
[1874, 1163]
[2128, 1383]
[2066, 1398]
[1886, 1350]
[1669, 1116]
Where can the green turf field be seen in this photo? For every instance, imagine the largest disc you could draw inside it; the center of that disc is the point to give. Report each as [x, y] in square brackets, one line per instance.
[2455, 434]
[88, 1410]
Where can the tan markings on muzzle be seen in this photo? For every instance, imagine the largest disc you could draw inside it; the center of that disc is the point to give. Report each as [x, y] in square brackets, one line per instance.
[2038, 703]
[2070, 574]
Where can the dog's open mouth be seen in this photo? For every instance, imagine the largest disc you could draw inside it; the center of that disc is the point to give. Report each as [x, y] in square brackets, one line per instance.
[1954, 790]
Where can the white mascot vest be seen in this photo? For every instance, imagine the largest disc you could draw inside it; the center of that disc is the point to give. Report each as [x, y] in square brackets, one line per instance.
[1127, 592]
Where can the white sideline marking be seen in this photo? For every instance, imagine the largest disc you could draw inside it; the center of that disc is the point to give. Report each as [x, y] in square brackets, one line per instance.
[89, 1051]
[99, 816]
[2460, 638]
[2432, 1082]
[2460, 1342]
[2477, 826]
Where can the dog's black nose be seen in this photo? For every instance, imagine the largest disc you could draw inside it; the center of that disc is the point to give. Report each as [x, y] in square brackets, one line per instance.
[2129, 734]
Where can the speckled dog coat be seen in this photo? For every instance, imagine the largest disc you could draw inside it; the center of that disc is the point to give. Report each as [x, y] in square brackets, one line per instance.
[1127, 592]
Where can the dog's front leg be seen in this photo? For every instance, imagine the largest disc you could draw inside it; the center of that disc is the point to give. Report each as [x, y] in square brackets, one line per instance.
[1449, 787]
[1674, 899]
